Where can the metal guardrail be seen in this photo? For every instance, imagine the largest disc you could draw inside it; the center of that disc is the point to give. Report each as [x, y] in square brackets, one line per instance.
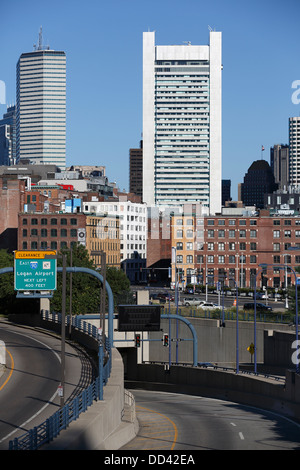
[49, 429]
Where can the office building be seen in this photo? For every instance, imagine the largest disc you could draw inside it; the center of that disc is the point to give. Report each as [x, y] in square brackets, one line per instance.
[136, 170]
[258, 181]
[8, 137]
[294, 143]
[182, 123]
[279, 162]
[41, 107]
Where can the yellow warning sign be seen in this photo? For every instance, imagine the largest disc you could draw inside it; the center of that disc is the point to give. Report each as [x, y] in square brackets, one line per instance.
[34, 254]
[251, 348]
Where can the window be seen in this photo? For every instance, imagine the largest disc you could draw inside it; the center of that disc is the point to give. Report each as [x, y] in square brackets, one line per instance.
[44, 221]
[221, 233]
[253, 222]
[243, 246]
[276, 233]
[189, 222]
[44, 232]
[73, 232]
[242, 233]
[24, 221]
[287, 222]
[63, 221]
[53, 221]
[189, 246]
[221, 259]
[242, 222]
[53, 245]
[73, 221]
[189, 258]
[210, 233]
[34, 245]
[179, 222]
[34, 221]
[210, 222]
[231, 233]
[252, 259]
[276, 259]
[179, 259]
[53, 232]
[252, 233]
[179, 233]
[253, 246]
[210, 246]
[221, 222]
[179, 246]
[232, 259]
[63, 232]
[231, 246]
[24, 232]
[210, 259]
[276, 222]
[24, 245]
[221, 246]
[33, 232]
[287, 233]
[189, 233]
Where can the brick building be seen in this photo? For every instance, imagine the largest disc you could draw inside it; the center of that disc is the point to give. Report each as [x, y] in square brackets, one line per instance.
[41, 231]
[103, 234]
[234, 247]
[12, 192]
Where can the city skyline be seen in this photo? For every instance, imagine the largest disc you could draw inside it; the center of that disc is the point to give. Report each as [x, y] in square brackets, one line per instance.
[103, 44]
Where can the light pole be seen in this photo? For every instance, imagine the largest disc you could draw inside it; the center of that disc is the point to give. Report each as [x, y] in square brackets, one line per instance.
[237, 325]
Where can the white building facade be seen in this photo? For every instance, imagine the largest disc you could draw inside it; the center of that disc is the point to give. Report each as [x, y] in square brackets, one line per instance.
[182, 152]
[133, 224]
[294, 150]
[41, 107]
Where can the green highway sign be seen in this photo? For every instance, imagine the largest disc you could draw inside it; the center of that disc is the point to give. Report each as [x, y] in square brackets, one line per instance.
[34, 271]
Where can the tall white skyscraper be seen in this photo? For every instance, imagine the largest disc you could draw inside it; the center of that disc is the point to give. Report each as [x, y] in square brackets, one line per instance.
[294, 144]
[41, 106]
[182, 123]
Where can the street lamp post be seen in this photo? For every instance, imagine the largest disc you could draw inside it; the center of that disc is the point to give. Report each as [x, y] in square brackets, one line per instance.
[237, 325]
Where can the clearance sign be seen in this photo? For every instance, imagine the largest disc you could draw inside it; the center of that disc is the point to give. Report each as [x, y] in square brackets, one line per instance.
[35, 270]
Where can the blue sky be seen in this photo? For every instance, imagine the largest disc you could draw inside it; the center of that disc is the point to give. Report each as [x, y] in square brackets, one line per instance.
[103, 43]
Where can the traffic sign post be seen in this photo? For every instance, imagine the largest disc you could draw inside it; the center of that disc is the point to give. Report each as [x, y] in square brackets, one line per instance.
[35, 270]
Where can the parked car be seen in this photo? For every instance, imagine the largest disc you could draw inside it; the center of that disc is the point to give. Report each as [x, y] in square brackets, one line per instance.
[209, 306]
[164, 297]
[190, 302]
[259, 307]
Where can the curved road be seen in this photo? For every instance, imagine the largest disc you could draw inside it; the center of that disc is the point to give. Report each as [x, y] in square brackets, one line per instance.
[28, 386]
[170, 421]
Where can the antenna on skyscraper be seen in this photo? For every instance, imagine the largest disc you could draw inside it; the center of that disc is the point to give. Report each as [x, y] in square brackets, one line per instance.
[40, 39]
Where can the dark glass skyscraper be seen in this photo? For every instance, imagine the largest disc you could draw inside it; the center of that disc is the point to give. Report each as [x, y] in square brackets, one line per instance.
[258, 181]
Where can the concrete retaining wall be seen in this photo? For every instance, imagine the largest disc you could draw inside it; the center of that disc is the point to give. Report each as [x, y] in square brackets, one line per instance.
[104, 424]
[252, 390]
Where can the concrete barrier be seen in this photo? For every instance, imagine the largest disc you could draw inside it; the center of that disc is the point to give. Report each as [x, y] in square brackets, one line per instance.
[253, 390]
[2, 354]
[107, 424]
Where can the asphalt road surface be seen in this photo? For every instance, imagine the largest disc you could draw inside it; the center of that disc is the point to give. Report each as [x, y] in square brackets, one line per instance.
[173, 422]
[29, 384]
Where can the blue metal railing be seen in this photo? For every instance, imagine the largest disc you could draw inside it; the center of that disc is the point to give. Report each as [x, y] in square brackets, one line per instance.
[49, 429]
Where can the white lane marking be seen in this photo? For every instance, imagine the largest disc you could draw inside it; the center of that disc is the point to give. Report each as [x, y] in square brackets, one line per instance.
[232, 424]
[241, 436]
[51, 399]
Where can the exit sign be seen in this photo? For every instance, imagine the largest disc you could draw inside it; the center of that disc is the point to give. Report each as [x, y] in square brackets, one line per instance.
[35, 270]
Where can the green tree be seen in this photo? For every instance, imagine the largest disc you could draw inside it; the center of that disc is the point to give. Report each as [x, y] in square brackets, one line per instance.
[120, 286]
[85, 287]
